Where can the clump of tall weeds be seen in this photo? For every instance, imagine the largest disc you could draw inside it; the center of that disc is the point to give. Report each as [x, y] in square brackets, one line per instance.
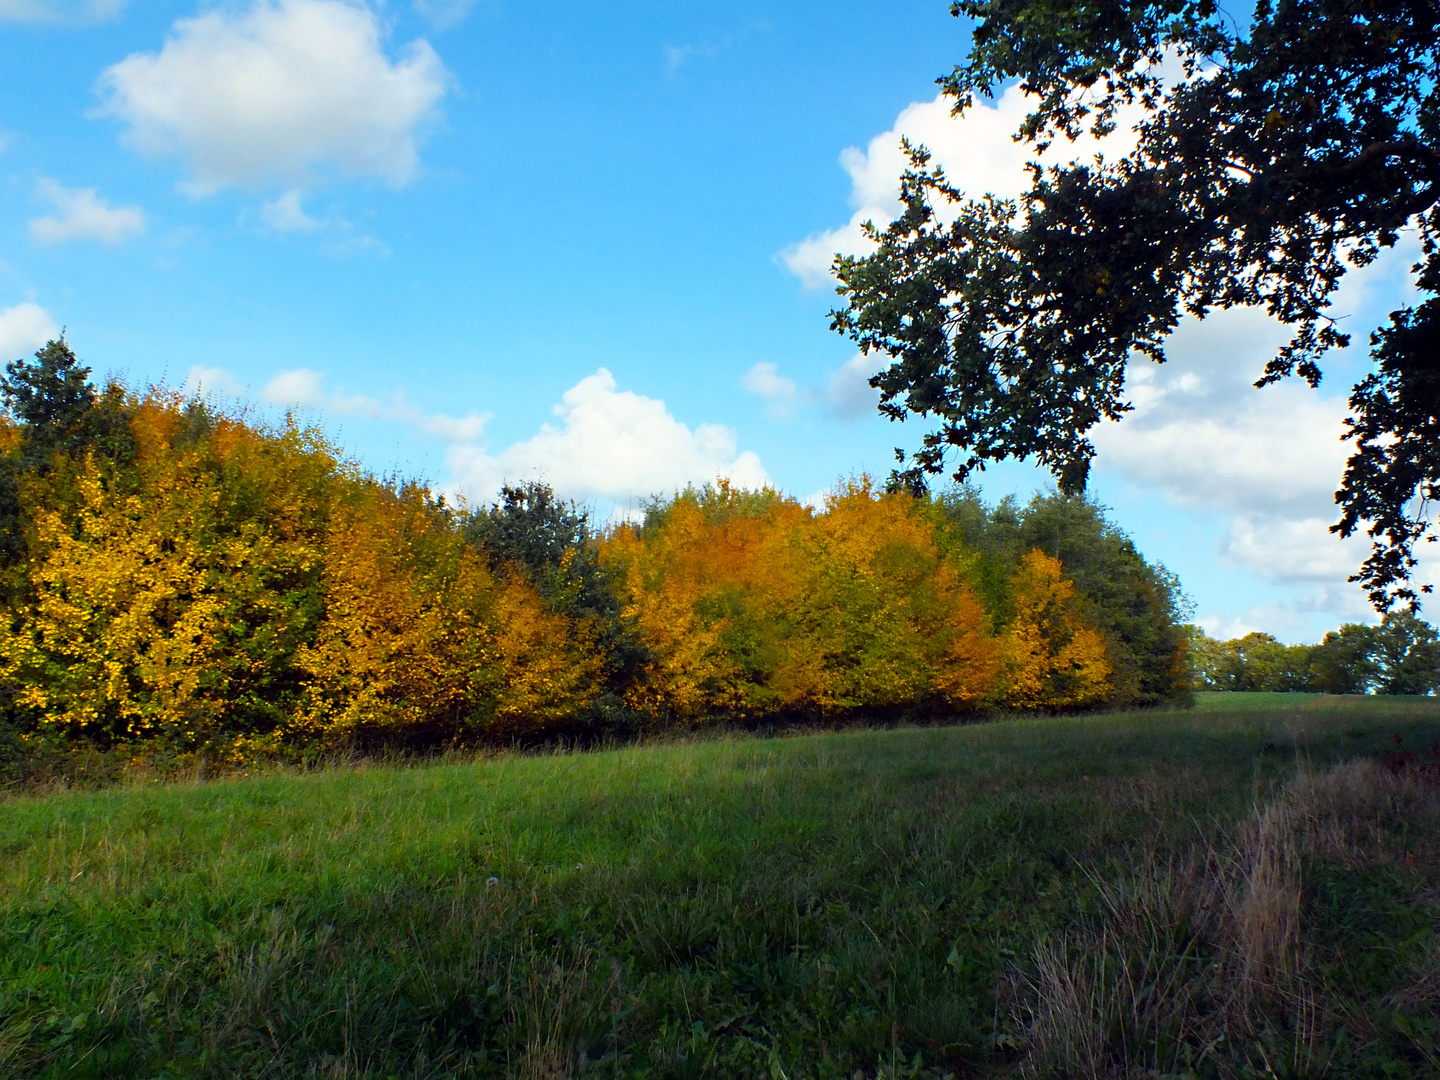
[1201, 964]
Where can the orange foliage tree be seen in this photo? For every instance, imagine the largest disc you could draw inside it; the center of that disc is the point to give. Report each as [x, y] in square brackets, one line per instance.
[752, 603]
[220, 583]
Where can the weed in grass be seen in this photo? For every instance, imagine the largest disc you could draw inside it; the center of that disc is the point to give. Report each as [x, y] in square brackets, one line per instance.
[1263, 905]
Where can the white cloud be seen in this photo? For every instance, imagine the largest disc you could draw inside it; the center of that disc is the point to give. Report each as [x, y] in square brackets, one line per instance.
[23, 329]
[845, 396]
[610, 443]
[848, 394]
[59, 11]
[1278, 450]
[276, 93]
[765, 381]
[304, 389]
[443, 14]
[1283, 454]
[976, 150]
[82, 215]
[299, 389]
[1295, 551]
[285, 214]
[1294, 621]
[204, 381]
[1267, 461]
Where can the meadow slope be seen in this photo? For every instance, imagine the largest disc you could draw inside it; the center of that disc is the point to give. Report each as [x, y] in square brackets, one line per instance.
[912, 902]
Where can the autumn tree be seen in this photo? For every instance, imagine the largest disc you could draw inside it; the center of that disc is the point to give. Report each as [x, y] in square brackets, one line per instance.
[531, 533]
[420, 640]
[753, 604]
[167, 601]
[1272, 156]
[1049, 657]
[688, 576]
[1137, 605]
[194, 582]
[51, 406]
[901, 618]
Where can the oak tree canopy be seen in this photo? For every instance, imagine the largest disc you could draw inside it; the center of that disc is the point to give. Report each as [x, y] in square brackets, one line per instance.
[1273, 156]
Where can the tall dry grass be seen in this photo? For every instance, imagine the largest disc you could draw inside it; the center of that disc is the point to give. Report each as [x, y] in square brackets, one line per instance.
[1205, 959]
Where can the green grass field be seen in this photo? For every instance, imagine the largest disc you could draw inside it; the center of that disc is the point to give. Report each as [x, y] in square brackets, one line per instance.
[914, 902]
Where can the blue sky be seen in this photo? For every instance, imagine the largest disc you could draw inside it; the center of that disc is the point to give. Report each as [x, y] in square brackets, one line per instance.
[485, 240]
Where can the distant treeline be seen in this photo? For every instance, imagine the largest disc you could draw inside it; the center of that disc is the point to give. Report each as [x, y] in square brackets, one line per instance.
[1399, 656]
[175, 576]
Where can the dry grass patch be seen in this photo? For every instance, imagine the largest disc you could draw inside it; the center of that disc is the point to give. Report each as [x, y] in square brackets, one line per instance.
[1206, 960]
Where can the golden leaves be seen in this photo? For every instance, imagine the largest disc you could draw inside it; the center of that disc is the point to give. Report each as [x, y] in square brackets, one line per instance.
[754, 606]
[1048, 657]
[227, 587]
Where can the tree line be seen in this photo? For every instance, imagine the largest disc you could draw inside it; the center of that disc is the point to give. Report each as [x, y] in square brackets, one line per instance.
[1399, 656]
[172, 575]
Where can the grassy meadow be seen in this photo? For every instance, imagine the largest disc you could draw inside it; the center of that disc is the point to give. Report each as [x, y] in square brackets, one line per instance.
[1211, 892]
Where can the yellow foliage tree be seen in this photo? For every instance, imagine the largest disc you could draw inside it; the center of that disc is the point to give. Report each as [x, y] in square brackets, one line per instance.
[1049, 658]
[417, 633]
[899, 622]
[152, 606]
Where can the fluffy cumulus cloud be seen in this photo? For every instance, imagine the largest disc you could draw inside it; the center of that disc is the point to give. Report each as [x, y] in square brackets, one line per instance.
[976, 150]
[1268, 461]
[1201, 434]
[81, 12]
[765, 380]
[611, 444]
[81, 214]
[1292, 551]
[23, 329]
[779, 393]
[606, 443]
[281, 92]
[211, 381]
